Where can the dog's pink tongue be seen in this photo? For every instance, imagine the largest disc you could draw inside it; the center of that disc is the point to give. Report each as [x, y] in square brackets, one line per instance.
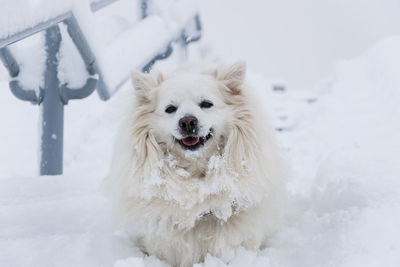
[190, 141]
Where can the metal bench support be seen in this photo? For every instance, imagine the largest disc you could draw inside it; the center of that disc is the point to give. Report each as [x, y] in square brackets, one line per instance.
[51, 100]
[52, 110]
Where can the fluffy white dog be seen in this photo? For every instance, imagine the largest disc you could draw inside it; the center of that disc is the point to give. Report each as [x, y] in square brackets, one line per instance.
[195, 169]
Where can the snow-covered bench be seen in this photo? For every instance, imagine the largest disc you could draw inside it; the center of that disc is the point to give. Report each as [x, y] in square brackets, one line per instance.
[83, 49]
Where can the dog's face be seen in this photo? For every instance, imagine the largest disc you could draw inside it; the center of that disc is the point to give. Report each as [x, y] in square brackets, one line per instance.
[190, 112]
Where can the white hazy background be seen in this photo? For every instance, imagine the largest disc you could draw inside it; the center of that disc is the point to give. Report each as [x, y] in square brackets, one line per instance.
[297, 42]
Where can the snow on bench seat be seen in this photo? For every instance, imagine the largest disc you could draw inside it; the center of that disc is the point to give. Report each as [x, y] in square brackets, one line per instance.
[133, 49]
[18, 15]
[118, 39]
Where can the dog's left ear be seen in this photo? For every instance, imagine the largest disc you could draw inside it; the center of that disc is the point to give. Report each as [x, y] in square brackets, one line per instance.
[232, 76]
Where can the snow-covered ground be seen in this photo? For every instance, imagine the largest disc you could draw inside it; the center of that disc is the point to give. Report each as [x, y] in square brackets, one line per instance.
[339, 140]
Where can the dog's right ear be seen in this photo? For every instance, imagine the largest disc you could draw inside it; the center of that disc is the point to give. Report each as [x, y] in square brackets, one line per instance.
[144, 84]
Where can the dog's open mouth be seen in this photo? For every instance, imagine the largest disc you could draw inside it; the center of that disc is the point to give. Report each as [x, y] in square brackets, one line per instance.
[194, 142]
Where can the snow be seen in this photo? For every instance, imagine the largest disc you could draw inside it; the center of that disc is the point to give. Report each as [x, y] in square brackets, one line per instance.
[339, 141]
[31, 65]
[116, 47]
[343, 187]
[149, 37]
[176, 13]
[26, 13]
[71, 68]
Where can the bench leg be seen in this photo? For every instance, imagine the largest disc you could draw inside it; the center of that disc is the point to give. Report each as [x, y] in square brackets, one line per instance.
[52, 110]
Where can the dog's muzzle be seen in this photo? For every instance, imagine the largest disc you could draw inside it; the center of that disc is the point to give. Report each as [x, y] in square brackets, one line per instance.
[189, 128]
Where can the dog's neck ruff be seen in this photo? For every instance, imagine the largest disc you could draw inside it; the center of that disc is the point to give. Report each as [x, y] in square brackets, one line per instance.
[193, 191]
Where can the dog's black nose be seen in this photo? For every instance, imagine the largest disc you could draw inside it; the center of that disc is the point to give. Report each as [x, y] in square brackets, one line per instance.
[188, 124]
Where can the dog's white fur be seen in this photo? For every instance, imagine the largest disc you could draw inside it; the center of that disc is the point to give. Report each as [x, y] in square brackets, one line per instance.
[185, 204]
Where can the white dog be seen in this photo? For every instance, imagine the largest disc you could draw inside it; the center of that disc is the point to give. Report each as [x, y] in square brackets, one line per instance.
[195, 169]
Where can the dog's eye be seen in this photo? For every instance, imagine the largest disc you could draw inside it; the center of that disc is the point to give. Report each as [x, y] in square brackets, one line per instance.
[171, 109]
[206, 104]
